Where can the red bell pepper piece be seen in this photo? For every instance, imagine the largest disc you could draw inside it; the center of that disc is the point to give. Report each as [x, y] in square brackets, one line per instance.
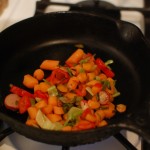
[20, 92]
[24, 104]
[85, 112]
[99, 86]
[69, 64]
[41, 95]
[84, 124]
[101, 65]
[58, 76]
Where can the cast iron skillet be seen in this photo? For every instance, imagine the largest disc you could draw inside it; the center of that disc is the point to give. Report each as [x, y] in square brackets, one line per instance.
[24, 45]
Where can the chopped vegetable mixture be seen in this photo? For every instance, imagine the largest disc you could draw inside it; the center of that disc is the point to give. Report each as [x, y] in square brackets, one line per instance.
[76, 96]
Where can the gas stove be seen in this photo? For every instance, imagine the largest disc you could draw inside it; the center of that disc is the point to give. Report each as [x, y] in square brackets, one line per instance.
[18, 10]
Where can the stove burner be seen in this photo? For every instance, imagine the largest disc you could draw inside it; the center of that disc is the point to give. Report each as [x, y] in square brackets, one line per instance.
[97, 7]
[89, 6]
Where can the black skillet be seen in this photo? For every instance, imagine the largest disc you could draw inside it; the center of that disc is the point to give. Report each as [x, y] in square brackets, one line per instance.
[24, 45]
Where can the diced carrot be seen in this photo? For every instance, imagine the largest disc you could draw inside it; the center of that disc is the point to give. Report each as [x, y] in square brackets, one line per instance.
[67, 128]
[102, 123]
[29, 81]
[91, 76]
[75, 57]
[102, 76]
[37, 87]
[82, 77]
[49, 64]
[62, 122]
[93, 104]
[62, 88]
[73, 83]
[100, 115]
[47, 109]
[31, 122]
[88, 66]
[52, 100]
[110, 111]
[41, 104]
[92, 83]
[38, 74]
[65, 116]
[32, 111]
[70, 95]
[78, 68]
[90, 117]
[95, 89]
[42, 86]
[121, 108]
[58, 110]
[54, 117]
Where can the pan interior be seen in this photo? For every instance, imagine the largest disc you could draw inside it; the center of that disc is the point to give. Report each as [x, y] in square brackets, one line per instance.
[29, 59]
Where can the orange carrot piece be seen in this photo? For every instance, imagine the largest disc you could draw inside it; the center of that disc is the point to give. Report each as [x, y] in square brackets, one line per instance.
[65, 116]
[47, 109]
[102, 123]
[100, 115]
[32, 111]
[62, 88]
[91, 76]
[93, 104]
[58, 110]
[88, 67]
[31, 122]
[70, 95]
[95, 90]
[52, 100]
[41, 104]
[77, 68]
[92, 82]
[54, 117]
[90, 117]
[29, 81]
[82, 77]
[38, 74]
[121, 108]
[67, 128]
[42, 86]
[75, 57]
[102, 76]
[73, 83]
[110, 111]
[49, 64]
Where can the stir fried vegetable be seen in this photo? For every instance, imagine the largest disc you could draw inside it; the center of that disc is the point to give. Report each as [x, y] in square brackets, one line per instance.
[76, 96]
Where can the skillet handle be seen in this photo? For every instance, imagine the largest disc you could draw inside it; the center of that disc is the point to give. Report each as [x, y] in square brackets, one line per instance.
[139, 121]
[5, 133]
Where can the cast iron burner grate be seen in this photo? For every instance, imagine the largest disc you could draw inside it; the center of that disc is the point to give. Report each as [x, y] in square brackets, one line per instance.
[92, 6]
